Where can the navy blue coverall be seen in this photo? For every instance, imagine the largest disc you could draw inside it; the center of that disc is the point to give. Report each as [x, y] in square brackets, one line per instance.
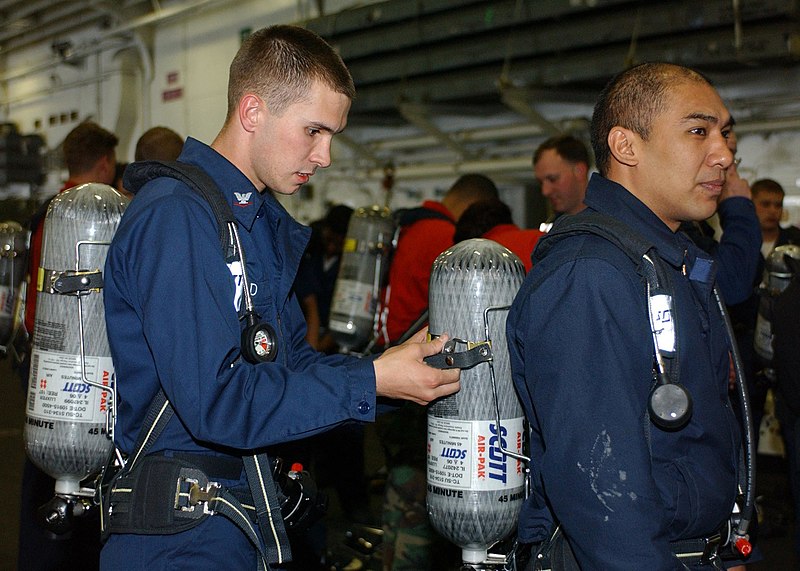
[582, 360]
[172, 323]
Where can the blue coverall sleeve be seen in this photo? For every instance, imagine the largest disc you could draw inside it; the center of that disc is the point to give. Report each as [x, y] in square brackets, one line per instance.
[587, 373]
[739, 249]
[169, 283]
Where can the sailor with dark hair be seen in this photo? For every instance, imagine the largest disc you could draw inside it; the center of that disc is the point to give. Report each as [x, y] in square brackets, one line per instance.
[631, 483]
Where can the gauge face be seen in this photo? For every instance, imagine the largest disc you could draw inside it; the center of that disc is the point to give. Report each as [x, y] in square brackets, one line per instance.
[259, 343]
[263, 343]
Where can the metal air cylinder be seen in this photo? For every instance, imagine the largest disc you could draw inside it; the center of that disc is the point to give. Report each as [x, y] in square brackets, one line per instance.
[476, 489]
[776, 278]
[363, 274]
[65, 430]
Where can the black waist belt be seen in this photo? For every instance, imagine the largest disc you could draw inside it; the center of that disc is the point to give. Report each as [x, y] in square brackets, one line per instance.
[215, 467]
[697, 551]
[166, 495]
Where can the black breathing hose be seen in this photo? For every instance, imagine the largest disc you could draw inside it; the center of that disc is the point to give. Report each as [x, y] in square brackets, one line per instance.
[747, 420]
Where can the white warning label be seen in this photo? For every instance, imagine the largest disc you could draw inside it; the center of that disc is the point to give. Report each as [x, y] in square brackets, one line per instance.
[57, 389]
[469, 454]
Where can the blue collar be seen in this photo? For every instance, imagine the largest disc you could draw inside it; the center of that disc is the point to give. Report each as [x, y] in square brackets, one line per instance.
[675, 248]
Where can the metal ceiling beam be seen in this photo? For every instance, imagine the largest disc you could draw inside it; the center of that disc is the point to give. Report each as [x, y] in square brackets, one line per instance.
[49, 23]
[765, 43]
[382, 13]
[510, 39]
[517, 100]
[398, 25]
[418, 115]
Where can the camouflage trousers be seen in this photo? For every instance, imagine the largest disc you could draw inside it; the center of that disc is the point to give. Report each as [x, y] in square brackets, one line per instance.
[409, 541]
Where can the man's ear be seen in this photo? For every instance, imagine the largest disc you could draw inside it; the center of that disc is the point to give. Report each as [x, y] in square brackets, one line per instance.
[250, 108]
[621, 143]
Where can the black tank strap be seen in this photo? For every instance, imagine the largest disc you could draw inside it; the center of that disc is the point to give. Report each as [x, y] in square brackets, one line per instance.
[139, 173]
[632, 244]
[618, 233]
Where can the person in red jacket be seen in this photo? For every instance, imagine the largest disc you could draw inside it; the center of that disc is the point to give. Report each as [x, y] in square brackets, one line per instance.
[426, 233]
[491, 219]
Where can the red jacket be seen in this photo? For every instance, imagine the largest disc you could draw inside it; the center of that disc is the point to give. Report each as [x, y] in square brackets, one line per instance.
[521, 242]
[34, 256]
[417, 248]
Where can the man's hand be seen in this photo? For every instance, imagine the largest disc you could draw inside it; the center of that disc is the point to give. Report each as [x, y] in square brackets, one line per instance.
[400, 372]
[735, 185]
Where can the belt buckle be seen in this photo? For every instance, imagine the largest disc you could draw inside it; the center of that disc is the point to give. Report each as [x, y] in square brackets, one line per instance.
[189, 494]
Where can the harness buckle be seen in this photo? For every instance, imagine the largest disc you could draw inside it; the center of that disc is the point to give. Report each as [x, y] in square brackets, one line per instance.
[711, 549]
[190, 494]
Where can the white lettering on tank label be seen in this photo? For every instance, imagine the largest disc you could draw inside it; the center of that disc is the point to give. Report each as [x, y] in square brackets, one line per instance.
[235, 268]
[355, 296]
[663, 325]
[57, 389]
[468, 454]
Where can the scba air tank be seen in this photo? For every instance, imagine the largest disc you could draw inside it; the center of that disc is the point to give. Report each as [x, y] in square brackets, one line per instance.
[362, 276]
[13, 247]
[475, 489]
[65, 428]
[777, 275]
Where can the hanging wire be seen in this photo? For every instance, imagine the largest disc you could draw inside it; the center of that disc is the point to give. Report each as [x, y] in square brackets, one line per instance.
[630, 57]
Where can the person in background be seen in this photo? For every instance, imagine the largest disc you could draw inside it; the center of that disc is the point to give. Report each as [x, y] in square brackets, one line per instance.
[561, 165]
[626, 493]
[319, 269]
[90, 156]
[768, 208]
[768, 198]
[786, 363]
[289, 94]
[158, 144]
[491, 219]
[425, 233]
[118, 184]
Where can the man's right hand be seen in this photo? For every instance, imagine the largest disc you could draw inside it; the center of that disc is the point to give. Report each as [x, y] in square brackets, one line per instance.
[400, 372]
[735, 185]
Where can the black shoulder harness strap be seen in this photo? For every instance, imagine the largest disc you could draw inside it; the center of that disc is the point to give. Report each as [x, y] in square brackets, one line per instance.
[618, 233]
[629, 241]
[139, 173]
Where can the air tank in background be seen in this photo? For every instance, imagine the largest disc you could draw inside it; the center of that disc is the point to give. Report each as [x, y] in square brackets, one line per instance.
[13, 249]
[66, 431]
[475, 487]
[776, 278]
[363, 274]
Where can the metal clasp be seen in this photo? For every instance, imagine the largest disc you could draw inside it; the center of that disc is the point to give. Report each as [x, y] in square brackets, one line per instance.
[189, 494]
